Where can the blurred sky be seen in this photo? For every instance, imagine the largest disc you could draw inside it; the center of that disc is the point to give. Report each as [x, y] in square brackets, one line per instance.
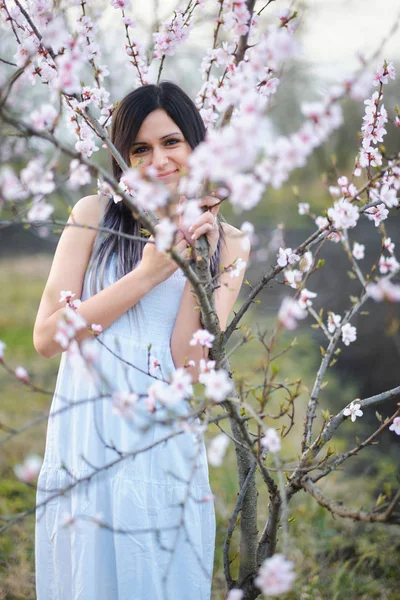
[335, 30]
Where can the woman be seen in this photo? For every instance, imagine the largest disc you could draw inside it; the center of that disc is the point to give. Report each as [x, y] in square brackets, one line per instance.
[136, 519]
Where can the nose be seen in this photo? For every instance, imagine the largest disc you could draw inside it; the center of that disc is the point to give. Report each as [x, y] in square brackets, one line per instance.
[160, 159]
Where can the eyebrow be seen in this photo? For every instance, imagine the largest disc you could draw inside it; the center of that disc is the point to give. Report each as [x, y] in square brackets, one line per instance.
[161, 138]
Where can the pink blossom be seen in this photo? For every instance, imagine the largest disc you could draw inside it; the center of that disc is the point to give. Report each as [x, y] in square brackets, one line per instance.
[68, 325]
[246, 191]
[10, 186]
[154, 366]
[293, 278]
[79, 175]
[217, 385]
[209, 116]
[287, 257]
[395, 426]
[124, 404]
[304, 208]
[306, 261]
[370, 157]
[128, 22]
[358, 251]
[353, 410]
[206, 366]
[334, 190]
[235, 594]
[68, 69]
[86, 147]
[389, 245]
[158, 391]
[119, 3]
[383, 73]
[349, 334]
[39, 211]
[203, 338]
[30, 468]
[216, 449]
[165, 232]
[2, 346]
[238, 266]
[22, 374]
[388, 264]
[247, 228]
[36, 178]
[290, 312]
[271, 440]
[305, 299]
[377, 214]
[333, 322]
[170, 35]
[44, 117]
[96, 328]
[321, 222]
[65, 296]
[343, 214]
[181, 384]
[276, 576]
[389, 197]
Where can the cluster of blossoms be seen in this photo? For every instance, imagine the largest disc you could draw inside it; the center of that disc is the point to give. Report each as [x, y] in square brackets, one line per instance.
[384, 289]
[349, 332]
[71, 321]
[290, 312]
[373, 128]
[271, 441]
[35, 181]
[216, 381]
[245, 88]
[170, 35]
[236, 17]
[276, 575]
[216, 449]
[29, 469]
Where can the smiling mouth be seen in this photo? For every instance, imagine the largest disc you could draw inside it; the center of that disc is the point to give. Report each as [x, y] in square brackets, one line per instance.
[162, 175]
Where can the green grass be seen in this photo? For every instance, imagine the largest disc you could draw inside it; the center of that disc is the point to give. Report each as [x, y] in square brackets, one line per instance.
[335, 558]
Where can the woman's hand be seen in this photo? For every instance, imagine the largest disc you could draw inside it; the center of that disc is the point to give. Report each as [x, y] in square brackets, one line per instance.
[157, 264]
[206, 224]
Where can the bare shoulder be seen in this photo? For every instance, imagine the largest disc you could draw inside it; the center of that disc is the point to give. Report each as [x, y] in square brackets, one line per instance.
[89, 210]
[237, 243]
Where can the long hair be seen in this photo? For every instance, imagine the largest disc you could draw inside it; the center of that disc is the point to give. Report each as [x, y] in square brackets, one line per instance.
[127, 120]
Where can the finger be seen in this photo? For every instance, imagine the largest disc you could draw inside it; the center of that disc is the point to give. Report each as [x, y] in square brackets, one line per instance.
[206, 217]
[206, 228]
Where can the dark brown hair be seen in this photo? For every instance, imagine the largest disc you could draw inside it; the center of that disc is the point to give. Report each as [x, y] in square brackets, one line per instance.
[127, 120]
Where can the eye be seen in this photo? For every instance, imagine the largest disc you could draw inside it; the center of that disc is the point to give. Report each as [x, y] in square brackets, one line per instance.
[137, 151]
[173, 140]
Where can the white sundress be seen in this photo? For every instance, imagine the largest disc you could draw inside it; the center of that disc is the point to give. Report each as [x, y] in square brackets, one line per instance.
[157, 542]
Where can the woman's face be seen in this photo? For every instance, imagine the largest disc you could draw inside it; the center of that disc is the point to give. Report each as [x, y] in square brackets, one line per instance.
[160, 144]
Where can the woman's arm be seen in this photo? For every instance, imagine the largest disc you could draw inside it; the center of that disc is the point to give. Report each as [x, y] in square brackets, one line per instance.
[68, 272]
[188, 317]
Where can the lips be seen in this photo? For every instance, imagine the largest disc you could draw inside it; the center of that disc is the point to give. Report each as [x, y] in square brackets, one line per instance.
[162, 175]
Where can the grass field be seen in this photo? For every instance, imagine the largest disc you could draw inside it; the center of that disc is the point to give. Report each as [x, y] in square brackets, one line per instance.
[335, 559]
